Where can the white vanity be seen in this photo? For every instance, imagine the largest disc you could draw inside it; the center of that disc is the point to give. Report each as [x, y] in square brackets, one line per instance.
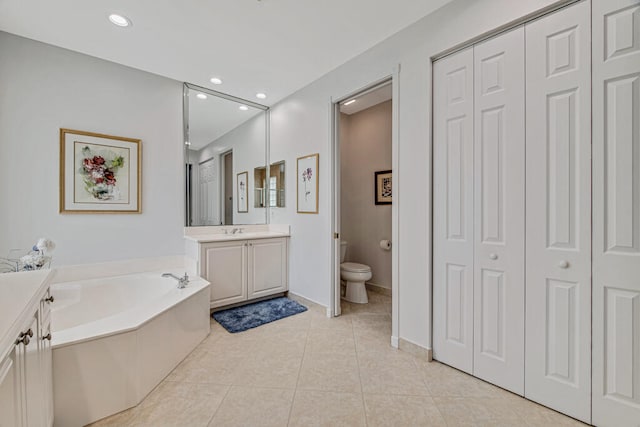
[26, 391]
[242, 263]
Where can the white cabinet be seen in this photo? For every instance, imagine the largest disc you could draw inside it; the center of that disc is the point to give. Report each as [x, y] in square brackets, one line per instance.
[26, 394]
[241, 270]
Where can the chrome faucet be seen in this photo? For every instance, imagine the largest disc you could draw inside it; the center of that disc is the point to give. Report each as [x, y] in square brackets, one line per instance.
[182, 281]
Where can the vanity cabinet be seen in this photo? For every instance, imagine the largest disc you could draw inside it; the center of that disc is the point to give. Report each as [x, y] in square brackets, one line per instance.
[26, 377]
[241, 270]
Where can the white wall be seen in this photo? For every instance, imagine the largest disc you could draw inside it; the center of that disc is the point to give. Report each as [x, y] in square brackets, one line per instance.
[45, 88]
[301, 125]
[365, 147]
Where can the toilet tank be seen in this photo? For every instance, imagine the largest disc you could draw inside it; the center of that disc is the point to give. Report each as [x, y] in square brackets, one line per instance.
[343, 251]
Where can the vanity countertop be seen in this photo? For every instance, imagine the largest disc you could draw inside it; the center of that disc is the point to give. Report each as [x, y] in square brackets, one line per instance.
[246, 235]
[19, 294]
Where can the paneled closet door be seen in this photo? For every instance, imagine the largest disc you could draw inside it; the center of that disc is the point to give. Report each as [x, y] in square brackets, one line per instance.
[616, 212]
[453, 212]
[558, 222]
[499, 210]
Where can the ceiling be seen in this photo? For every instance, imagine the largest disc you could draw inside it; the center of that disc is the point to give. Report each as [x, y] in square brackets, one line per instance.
[270, 46]
[367, 99]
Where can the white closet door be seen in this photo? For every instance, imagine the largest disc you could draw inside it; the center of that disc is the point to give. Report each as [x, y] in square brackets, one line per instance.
[453, 211]
[616, 212]
[499, 211]
[558, 222]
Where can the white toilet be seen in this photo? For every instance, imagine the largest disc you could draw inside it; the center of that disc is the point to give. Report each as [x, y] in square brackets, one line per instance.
[355, 275]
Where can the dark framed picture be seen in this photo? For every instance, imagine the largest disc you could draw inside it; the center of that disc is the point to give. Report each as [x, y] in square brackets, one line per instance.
[383, 187]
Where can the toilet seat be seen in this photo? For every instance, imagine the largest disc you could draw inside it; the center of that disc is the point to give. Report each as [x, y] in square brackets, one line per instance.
[355, 267]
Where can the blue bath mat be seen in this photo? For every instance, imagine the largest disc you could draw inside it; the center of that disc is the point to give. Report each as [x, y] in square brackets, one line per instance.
[249, 316]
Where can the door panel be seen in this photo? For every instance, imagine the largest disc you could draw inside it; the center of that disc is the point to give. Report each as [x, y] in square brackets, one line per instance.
[453, 211]
[558, 226]
[616, 212]
[499, 214]
[226, 269]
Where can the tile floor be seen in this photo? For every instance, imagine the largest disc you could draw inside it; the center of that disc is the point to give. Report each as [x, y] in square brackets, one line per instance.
[309, 370]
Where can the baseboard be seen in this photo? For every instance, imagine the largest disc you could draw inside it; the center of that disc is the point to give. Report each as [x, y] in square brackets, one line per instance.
[304, 300]
[416, 350]
[394, 342]
[377, 288]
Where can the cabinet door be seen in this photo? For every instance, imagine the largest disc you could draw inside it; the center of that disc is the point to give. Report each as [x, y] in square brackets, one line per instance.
[453, 210]
[267, 267]
[34, 376]
[224, 266]
[11, 383]
[616, 212]
[46, 372]
[558, 222]
[499, 211]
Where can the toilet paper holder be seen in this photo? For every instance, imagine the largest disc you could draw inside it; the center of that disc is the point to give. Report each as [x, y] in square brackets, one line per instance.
[385, 245]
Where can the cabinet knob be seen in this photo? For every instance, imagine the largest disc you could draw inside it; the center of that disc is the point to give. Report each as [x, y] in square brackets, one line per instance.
[563, 264]
[47, 337]
[493, 256]
[23, 339]
[50, 299]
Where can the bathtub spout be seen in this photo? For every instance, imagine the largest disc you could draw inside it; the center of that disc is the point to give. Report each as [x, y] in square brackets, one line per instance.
[182, 281]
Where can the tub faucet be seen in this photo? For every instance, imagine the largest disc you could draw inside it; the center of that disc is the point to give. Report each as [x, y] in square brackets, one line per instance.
[182, 281]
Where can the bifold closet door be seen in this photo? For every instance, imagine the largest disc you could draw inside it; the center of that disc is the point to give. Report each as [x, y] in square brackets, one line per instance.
[453, 210]
[558, 222]
[499, 150]
[616, 212]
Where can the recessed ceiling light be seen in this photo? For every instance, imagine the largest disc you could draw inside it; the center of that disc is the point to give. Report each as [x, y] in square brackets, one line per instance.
[244, 107]
[119, 20]
[216, 81]
[350, 102]
[261, 95]
[201, 96]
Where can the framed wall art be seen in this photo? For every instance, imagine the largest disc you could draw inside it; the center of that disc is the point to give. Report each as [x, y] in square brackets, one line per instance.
[383, 188]
[307, 184]
[99, 173]
[243, 192]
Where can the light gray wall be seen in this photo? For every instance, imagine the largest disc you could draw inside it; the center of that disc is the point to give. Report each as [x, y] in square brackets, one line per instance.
[45, 88]
[301, 124]
[365, 147]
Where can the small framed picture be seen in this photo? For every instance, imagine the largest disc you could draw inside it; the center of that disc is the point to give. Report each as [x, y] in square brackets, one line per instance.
[243, 192]
[307, 184]
[383, 188]
[99, 173]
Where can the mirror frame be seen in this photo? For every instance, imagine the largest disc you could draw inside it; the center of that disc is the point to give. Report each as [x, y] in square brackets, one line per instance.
[186, 87]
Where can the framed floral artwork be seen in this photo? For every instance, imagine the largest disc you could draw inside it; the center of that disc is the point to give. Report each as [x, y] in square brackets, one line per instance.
[99, 173]
[243, 192]
[307, 184]
[383, 188]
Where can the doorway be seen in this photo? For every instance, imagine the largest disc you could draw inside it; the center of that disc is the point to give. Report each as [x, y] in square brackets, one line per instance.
[227, 184]
[364, 156]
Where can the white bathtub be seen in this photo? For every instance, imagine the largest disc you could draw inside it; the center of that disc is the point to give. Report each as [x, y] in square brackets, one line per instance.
[114, 339]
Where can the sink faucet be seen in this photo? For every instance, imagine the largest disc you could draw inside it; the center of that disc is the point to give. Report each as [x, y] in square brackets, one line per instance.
[236, 230]
[182, 281]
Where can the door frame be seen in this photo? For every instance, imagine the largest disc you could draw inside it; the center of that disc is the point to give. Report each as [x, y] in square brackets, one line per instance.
[334, 200]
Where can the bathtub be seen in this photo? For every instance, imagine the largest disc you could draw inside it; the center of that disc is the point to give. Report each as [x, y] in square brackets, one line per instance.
[114, 339]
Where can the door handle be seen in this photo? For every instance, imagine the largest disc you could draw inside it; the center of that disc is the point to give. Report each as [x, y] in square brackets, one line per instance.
[493, 256]
[563, 264]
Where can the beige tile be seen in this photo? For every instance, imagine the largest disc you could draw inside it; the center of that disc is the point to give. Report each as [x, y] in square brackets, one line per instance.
[279, 372]
[206, 367]
[444, 381]
[321, 321]
[380, 377]
[537, 415]
[251, 406]
[321, 408]
[476, 410]
[330, 372]
[180, 404]
[330, 341]
[121, 419]
[399, 411]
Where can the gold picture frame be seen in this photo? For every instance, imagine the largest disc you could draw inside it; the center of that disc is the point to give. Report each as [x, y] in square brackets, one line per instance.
[99, 174]
[307, 184]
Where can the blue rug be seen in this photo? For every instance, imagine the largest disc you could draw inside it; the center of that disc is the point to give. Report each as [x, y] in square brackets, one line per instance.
[249, 316]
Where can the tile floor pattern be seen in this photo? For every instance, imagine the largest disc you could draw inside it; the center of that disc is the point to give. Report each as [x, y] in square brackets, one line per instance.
[309, 370]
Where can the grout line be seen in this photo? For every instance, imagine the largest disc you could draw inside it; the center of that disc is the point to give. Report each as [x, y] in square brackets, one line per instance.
[355, 346]
[295, 390]
[219, 405]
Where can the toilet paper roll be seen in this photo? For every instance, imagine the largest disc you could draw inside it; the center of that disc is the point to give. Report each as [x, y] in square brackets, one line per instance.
[385, 244]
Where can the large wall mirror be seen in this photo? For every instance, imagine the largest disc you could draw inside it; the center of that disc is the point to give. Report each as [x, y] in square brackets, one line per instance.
[225, 142]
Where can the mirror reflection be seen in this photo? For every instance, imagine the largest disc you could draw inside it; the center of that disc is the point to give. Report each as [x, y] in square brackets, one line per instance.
[225, 140]
[276, 185]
